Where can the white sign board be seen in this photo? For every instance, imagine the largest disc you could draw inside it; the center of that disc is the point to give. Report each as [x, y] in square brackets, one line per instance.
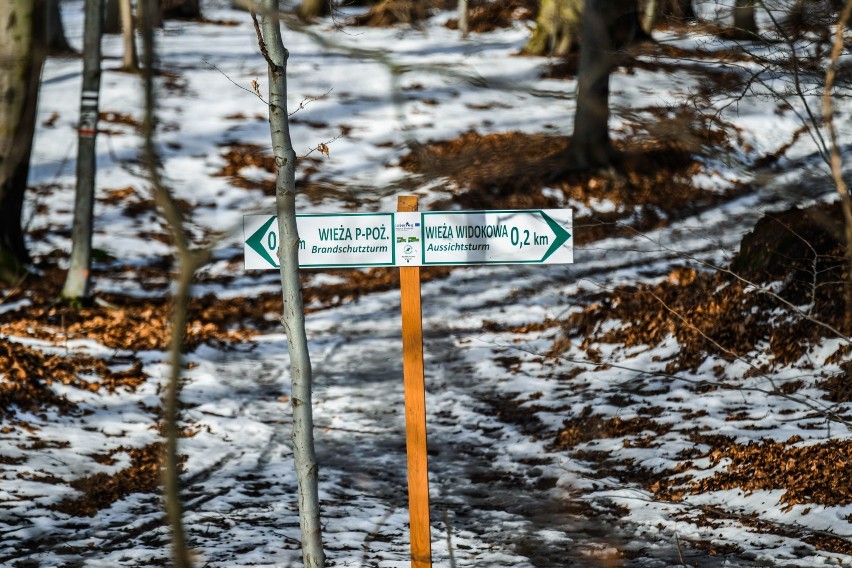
[537, 236]
[325, 241]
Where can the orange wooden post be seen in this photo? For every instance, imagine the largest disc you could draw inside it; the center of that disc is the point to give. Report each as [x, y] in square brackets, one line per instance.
[415, 407]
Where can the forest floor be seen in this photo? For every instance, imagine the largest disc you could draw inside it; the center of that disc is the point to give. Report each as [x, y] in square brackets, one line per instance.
[678, 396]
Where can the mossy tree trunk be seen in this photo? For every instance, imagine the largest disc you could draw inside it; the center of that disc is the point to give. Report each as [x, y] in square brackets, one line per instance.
[557, 29]
[312, 9]
[23, 47]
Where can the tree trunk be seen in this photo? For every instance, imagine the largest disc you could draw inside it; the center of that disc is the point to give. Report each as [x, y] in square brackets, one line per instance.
[312, 9]
[189, 261]
[557, 29]
[464, 27]
[836, 157]
[678, 10]
[57, 43]
[22, 51]
[649, 15]
[608, 26]
[128, 29]
[590, 144]
[78, 280]
[293, 319]
[181, 9]
[745, 26]
[112, 17]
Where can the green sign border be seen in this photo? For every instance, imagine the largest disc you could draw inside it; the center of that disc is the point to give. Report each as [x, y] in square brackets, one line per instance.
[545, 217]
[273, 217]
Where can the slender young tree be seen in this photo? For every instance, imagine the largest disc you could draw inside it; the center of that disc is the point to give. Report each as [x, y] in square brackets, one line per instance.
[22, 51]
[190, 260]
[78, 281]
[130, 62]
[464, 26]
[836, 158]
[273, 50]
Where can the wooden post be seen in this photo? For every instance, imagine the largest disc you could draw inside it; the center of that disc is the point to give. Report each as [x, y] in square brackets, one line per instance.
[415, 407]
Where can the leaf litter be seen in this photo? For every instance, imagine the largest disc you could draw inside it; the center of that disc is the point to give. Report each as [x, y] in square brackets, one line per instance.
[680, 425]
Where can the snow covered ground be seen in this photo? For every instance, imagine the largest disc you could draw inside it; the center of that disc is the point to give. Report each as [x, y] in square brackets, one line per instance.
[511, 483]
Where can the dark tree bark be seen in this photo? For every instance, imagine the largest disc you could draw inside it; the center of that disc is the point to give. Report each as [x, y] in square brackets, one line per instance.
[745, 25]
[608, 26]
[57, 43]
[112, 17]
[23, 47]
[181, 9]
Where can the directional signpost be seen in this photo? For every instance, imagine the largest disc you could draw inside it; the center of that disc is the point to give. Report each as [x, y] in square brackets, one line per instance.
[457, 238]
[410, 239]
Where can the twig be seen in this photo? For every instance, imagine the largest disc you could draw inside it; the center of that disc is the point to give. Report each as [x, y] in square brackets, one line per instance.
[246, 89]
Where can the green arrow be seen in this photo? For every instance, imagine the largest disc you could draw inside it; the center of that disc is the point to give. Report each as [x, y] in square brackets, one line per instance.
[561, 235]
[256, 242]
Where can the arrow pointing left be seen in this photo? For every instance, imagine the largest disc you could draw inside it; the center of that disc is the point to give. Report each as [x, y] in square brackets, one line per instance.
[260, 240]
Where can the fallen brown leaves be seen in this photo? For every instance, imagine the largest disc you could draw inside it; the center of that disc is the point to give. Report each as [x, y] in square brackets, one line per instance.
[26, 375]
[708, 313]
[588, 426]
[101, 490]
[509, 171]
[807, 473]
[485, 17]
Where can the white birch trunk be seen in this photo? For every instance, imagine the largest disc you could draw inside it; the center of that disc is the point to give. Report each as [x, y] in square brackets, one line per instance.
[294, 315]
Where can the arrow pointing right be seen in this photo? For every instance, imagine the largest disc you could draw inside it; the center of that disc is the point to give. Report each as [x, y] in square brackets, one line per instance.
[561, 235]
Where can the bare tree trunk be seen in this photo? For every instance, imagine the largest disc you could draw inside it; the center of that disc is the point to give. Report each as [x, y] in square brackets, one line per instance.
[608, 26]
[190, 260]
[557, 28]
[312, 9]
[677, 10]
[22, 53]
[590, 143]
[112, 17]
[183, 9]
[836, 159]
[745, 25]
[464, 27]
[78, 280]
[57, 43]
[272, 47]
[128, 28]
[649, 17]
